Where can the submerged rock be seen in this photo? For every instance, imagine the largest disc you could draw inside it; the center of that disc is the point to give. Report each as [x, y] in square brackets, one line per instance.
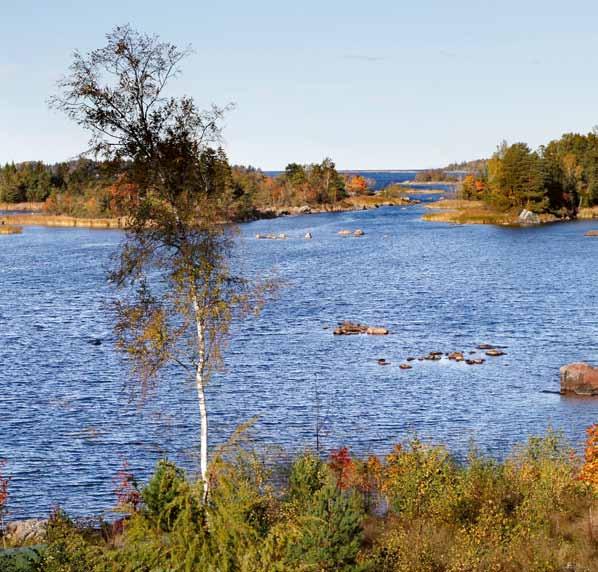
[579, 378]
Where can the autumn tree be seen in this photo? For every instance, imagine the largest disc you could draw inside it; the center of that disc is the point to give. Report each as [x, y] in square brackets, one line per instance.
[516, 178]
[180, 289]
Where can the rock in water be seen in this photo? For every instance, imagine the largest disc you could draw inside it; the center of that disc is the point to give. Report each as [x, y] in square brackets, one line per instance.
[344, 232]
[375, 331]
[358, 232]
[495, 353]
[350, 328]
[308, 236]
[592, 233]
[579, 378]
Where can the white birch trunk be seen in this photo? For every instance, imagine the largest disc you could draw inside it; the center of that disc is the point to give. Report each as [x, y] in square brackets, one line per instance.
[200, 384]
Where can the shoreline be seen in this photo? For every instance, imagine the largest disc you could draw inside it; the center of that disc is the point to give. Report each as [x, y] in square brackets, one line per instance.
[347, 205]
[460, 211]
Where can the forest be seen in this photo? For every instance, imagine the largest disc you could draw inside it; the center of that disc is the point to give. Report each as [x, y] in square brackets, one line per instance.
[90, 188]
[561, 177]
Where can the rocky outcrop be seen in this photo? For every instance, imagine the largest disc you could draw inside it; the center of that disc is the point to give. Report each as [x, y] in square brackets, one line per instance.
[579, 378]
[528, 217]
[351, 328]
[24, 531]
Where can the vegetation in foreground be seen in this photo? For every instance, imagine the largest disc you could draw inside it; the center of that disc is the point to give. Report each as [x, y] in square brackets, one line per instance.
[415, 510]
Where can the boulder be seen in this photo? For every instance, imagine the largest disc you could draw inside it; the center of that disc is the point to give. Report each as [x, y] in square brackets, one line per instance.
[304, 210]
[579, 378]
[456, 356]
[528, 217]
[21, 531]
[406, 366]
[344, 232]
[382, 361]
[376, 331]
[358, 232]
[592, 233]
[308, 236]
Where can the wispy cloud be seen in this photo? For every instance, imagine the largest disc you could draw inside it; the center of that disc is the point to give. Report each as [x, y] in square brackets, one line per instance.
[364, 57]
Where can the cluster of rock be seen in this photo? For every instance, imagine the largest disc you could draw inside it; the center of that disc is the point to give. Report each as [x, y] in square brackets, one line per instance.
[356, 232]
[351, 328]
[455, 356]
[580, 379]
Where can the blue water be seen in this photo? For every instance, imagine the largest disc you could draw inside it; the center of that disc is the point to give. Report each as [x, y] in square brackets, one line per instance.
[381, 179]
[67, 417]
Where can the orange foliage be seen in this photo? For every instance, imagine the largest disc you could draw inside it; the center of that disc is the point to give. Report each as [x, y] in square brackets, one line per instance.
[357, 185]
[123, 196]
[589, 471]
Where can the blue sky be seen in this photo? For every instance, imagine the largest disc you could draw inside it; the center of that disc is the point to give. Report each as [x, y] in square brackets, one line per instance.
[378, 84]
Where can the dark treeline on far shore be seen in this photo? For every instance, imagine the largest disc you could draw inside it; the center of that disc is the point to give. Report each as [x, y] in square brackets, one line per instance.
[87, 188]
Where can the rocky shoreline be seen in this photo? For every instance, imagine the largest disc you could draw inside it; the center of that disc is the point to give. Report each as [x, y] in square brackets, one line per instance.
[62, 221]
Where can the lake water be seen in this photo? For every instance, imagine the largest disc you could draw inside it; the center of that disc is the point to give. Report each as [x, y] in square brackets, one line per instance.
[67, 420]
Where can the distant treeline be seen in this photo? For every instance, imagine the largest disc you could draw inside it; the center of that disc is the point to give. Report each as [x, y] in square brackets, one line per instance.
[560, 177]
[95, 189]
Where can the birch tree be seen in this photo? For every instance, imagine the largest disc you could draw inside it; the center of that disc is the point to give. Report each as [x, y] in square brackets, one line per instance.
[175, 270]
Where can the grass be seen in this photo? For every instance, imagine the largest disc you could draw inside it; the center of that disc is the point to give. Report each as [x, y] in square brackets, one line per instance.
[375, 200]
[467, 212]
[10, 229]
[22, 206]
[61, 221]
[588, 212]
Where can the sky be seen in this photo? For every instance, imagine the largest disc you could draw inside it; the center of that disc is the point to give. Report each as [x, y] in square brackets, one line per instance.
[382, 84]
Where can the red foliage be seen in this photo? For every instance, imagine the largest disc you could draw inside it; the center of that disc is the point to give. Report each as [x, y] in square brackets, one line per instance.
[123, 197]
[4, 482]
[127, 492]
[341, 464]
